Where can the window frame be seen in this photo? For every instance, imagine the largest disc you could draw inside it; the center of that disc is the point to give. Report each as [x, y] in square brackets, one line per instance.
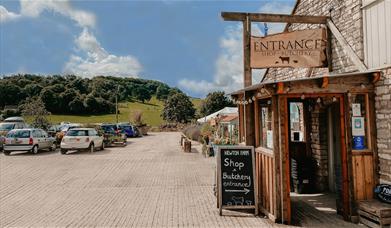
[367, 122]
[262, 103]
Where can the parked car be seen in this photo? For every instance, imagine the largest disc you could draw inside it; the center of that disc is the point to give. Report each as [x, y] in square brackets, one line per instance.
[129, 130]
[8, 125]
[126, 129]
[15, 119]
[112, 136]
[31, 140]
[53, 130]
[137, 132]
[63, 129]
[81, 139]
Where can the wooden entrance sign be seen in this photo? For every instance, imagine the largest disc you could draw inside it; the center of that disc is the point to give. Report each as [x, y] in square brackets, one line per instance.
[235, 169]
[306, 48]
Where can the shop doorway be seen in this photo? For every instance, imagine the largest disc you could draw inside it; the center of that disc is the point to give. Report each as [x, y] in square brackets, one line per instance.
[315, 154]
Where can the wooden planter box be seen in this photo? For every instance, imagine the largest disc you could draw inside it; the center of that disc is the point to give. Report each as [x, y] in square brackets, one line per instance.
[374, 213]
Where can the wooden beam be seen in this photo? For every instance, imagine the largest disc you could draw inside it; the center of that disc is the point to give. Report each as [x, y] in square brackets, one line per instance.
[346, 47]
[246, 53]
[263, 17]
[325, 82]
[280, 88]
[376, 77]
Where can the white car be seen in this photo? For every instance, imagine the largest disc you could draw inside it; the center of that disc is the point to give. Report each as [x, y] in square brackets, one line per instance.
[81, 139]
[31, 140]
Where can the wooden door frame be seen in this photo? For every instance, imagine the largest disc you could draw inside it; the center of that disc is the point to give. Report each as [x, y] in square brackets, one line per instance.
[344, 152]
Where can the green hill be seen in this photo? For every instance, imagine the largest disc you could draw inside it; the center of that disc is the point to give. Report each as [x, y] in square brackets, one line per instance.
[151, 113]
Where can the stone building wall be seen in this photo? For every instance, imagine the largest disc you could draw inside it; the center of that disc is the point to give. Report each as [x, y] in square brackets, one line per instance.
[383, 125]
[348, 18]
[319, 148]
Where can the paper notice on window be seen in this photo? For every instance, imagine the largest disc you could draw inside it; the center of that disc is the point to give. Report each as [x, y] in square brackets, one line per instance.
[358, 128]
[269, 139]
[356, 109]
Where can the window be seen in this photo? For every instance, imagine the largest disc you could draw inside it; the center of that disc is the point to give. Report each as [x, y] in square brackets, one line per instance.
[359, 118]
[92, 133]
[377, 33]
[37, 134]
[44, 134]
[77, 133]
[296, 113]
[266, 131]
[18, 134]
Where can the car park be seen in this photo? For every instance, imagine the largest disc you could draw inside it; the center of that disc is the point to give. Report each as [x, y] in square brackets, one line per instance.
[8, 125]
[32, 140]
[82, 139]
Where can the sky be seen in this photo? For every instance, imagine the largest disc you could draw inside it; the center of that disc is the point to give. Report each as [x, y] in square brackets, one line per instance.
[183, 43]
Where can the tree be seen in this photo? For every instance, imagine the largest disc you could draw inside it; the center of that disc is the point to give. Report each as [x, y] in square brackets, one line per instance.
[141, 94]
[178, 108]
[51, 99]
[32, 89]
[76, 106]
[10, 94]
[214, 102]
[35, 108]
[162, 92]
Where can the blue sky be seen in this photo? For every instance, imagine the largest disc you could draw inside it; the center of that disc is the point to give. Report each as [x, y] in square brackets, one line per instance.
[183, 43]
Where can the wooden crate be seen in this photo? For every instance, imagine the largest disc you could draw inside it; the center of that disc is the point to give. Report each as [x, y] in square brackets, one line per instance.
[373, 213]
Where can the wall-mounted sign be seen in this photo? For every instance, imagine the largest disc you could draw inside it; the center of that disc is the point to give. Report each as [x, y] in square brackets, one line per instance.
[306, 48]
[358, 127]
[356, 109]
[235, 169]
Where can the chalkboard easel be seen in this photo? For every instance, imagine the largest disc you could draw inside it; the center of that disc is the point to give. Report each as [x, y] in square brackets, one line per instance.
[235, 178]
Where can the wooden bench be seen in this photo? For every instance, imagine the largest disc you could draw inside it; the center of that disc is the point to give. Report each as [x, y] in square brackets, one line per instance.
[374, 213]
[185, 143]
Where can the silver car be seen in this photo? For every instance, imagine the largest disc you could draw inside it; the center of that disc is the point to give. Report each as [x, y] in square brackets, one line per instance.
[31, 140]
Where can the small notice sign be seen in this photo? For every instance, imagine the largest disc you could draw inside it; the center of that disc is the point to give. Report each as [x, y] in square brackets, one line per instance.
[356, 109]
[358, 127]
[236, 185]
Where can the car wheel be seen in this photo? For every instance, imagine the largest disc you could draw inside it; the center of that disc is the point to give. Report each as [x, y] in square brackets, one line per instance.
[92, 148]
[103, 146]
[35, 149]
[53, 147]
[7, 152]
[63, 151]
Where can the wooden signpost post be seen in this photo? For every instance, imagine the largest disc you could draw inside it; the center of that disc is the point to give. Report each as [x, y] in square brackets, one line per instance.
[235, 170]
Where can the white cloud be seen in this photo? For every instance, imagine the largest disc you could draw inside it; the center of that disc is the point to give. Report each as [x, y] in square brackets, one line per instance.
[97, 60]
[5, 15]
[229, 64]
[229, 68]
[31, 8]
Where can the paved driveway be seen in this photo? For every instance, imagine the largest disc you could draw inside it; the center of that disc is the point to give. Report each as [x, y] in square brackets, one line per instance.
[148, 183]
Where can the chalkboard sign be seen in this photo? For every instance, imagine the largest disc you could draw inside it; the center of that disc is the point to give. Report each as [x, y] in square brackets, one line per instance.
[383, 192]
[236, 178]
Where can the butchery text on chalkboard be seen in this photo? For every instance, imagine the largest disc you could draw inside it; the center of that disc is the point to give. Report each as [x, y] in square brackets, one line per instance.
[236, 185]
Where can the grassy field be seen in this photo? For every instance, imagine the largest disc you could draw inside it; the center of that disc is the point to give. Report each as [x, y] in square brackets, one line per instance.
[151, 113]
